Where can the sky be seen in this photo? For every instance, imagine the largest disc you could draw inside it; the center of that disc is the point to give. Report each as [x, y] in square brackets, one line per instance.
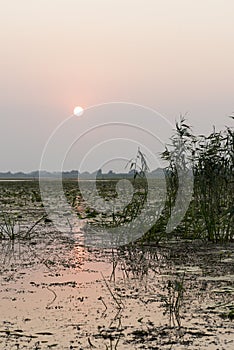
[173, 56]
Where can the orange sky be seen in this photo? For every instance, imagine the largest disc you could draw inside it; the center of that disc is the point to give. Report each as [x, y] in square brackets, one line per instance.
[175, 56]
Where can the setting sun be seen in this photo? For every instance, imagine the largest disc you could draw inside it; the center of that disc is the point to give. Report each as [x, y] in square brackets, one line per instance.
[78, 111]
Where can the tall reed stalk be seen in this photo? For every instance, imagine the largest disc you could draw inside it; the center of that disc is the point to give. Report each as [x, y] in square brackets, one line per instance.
[211, 212]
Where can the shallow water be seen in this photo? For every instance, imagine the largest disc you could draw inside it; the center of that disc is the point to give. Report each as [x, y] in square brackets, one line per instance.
[57, 294]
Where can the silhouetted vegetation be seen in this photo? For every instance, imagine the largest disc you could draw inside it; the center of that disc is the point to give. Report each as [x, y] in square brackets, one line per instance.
[209, 160]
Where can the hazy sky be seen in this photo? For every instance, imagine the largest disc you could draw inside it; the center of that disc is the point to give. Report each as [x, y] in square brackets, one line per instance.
[175, 56]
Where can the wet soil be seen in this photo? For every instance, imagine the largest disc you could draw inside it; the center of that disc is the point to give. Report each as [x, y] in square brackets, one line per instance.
[57, 294]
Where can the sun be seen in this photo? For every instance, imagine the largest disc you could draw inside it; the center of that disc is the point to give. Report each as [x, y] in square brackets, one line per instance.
[78, 111]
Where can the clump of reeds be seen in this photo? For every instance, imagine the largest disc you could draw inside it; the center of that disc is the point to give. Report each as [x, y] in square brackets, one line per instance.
[214, 184]
[173, 300]
[10, 227]
[138, 166]
[210, 159]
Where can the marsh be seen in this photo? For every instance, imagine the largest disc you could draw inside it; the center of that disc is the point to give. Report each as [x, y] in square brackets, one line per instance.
[57, 293]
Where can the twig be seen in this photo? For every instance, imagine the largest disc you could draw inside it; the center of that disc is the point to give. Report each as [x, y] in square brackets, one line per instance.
[113, 296]
[55, 297]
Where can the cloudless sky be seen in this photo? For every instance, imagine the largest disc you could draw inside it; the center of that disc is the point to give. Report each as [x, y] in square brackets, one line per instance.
[175, 56]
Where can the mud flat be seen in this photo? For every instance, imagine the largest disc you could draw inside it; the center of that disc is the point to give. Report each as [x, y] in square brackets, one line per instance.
[65, 296]
[55, 293]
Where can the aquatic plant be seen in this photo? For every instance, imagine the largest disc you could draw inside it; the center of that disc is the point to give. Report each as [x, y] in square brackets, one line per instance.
[10, 227]
[210, 215]
[173, 300]
[214, 184]
[115, 217]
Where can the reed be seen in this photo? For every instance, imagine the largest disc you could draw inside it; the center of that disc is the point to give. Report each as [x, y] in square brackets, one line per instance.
[173, 300]
[10, 227]
[210, 215]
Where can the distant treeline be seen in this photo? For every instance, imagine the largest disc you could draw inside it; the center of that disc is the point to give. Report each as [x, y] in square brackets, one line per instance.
[74, 174]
